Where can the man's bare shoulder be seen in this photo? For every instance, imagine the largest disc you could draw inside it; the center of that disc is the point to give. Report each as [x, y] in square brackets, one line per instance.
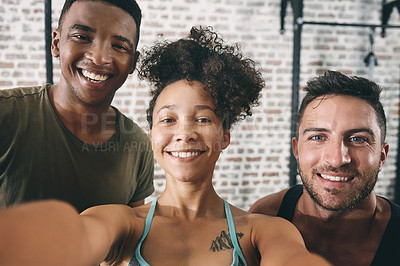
[269, 205]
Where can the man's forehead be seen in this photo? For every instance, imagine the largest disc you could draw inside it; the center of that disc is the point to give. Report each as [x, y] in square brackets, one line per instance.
[339, 102]
[92, 9]
[339, 110]
[88, 13]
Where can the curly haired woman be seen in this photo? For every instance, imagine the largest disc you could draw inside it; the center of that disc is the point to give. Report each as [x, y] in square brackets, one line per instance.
[201, 88]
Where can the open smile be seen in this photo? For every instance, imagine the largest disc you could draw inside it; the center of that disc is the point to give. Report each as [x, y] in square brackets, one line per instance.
[336, 178]
[94, 77]
[185, 154]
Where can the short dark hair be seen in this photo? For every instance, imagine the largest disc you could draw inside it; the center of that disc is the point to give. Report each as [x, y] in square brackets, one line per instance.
[233, 82]
[336, 83]
[129, 6]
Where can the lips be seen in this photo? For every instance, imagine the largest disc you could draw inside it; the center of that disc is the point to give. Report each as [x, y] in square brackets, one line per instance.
[94, 77]
[336, 178]
[185, 154]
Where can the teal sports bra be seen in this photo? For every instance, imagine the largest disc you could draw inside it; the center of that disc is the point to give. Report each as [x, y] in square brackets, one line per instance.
[238, 257]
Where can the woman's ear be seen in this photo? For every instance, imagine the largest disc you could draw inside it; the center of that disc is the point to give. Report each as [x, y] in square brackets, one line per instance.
[227, 140]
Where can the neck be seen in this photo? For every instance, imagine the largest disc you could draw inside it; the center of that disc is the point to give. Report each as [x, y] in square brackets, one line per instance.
[335, 234]
[190, 201]
[361, 216]
[92, 125]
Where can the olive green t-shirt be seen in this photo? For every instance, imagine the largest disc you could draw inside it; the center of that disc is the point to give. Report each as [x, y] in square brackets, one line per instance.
[41, 159]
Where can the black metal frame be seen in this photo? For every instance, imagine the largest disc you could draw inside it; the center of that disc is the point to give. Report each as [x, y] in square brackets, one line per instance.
[48, 39]
[298, 22]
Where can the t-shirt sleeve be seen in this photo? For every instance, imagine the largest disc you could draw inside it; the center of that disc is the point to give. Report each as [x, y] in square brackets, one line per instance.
[145, 185]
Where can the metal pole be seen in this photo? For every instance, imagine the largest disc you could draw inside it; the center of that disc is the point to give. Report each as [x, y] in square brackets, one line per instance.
[48, 39]
[397, 183]
[305, 22]
[297, 28]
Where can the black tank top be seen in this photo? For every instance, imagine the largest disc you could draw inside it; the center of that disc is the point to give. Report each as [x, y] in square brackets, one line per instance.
[389, 249]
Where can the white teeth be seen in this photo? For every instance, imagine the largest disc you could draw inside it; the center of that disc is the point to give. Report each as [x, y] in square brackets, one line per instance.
[185, 154]
[94, 77]
[335, 178]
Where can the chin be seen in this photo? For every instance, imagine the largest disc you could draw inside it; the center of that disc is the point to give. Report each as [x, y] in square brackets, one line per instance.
[185, 177]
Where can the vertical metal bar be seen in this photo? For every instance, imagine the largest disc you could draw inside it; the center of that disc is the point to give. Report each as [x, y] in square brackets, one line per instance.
[48, 39]
[397, 182]
[283, 15]
[383, 30]
[297, 28]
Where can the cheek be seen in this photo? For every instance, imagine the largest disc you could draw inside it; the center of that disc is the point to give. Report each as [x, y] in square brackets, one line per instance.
[366, 160]
[215, 142]
[308, 157]
[160, 139]
[123, 62]
[66, 57]
[157, 142]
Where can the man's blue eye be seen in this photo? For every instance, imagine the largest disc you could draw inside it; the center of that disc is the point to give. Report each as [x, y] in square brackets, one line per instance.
[357, 139]
[317, 137]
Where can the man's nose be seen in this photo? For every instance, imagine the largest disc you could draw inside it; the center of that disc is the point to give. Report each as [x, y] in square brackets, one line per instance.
[100, 54]
[336, 153]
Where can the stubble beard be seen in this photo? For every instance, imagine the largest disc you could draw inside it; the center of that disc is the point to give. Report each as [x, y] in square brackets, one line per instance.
[359, 194]
[104, 102]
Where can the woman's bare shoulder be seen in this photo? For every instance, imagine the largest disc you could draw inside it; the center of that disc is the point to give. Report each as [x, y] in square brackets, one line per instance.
[255, 217]
[261, 223]
[269, 205]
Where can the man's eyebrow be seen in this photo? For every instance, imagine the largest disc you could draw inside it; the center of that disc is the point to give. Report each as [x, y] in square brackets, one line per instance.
[315, 129]
[82, 27]
[123, 39]
[89, 29]
[363, 129]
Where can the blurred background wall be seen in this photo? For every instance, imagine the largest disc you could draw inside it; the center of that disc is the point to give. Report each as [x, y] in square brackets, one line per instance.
[257, 161]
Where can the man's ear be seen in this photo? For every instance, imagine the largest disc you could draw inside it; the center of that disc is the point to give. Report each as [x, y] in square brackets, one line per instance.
[384, 153]
[55, 44]
[134, 61]
[295, 148]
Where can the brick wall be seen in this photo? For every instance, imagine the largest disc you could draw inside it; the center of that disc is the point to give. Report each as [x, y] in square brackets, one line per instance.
[256, 163]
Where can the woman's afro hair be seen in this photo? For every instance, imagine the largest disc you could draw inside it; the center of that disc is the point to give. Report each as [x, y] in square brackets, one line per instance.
[232, 82]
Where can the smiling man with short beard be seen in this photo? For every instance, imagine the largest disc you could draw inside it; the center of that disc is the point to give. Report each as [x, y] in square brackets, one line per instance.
[326, 198]
[340, 149]
[65, 141]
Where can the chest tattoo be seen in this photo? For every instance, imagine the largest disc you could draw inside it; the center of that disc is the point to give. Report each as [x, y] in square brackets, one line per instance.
[223, 242]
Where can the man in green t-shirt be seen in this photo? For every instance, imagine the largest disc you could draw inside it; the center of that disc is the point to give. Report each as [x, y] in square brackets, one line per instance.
[66, 141]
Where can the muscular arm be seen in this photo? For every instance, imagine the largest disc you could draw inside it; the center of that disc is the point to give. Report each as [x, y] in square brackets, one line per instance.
[52, 233]
[280, 243]
[136, 203]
